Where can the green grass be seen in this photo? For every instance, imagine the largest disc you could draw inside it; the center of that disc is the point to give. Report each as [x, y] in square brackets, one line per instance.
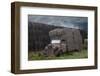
[70, 55]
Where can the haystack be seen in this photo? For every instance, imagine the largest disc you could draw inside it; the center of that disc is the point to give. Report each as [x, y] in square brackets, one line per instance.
[70, 36]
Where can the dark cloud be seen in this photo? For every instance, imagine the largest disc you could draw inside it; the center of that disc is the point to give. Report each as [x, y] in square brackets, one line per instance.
[66, 21]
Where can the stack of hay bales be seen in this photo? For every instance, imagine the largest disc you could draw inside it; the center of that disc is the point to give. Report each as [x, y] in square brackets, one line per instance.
[70, 40]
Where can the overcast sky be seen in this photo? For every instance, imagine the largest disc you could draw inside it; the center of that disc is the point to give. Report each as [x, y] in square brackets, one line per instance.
[66, 21]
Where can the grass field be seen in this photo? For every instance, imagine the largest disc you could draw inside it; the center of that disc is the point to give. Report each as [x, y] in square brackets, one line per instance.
[70, 55]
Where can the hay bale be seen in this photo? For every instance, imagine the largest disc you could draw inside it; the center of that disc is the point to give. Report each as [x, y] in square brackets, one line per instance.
[68, 37]
[77, 39]
[56, 33]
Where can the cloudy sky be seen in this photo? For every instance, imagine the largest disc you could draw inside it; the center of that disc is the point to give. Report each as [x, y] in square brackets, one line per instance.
[66, 21]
